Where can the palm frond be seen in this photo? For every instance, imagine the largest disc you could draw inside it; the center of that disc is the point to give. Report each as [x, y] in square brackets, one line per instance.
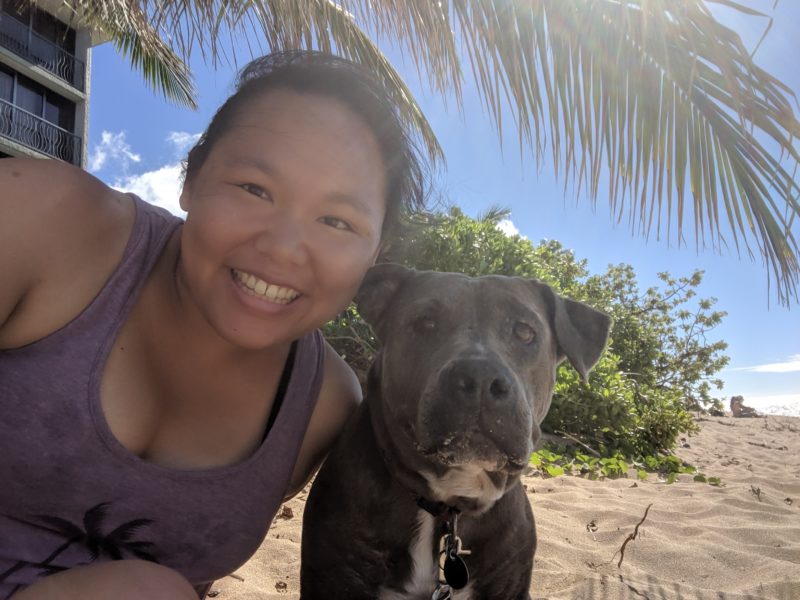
[324, 25]
[128, 25]
[494, 214]
[652, 103]
[662, 95]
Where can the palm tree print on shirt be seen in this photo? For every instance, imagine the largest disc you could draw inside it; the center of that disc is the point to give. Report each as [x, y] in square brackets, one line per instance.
[116, 545]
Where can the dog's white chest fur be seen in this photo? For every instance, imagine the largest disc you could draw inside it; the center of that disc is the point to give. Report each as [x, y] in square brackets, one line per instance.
[424, 570]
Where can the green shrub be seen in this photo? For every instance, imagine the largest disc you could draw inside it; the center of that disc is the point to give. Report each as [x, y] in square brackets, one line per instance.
[659, 364]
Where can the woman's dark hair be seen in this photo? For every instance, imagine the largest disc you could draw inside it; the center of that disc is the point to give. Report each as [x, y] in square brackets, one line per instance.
[328, 75]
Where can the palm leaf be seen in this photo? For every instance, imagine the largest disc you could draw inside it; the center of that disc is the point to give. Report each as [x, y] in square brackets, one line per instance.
[494, 214]
[93, 520]
[128, 26]
[122, 534]
[655, 96]
[58, 525]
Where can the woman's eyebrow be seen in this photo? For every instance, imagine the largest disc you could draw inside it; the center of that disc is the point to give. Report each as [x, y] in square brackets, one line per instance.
[354, 202]
[249, 161]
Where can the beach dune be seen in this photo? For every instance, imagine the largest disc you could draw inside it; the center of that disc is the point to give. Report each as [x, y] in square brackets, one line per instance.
[736, 541]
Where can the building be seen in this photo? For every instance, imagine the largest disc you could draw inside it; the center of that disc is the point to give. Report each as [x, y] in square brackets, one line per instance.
[44, 81]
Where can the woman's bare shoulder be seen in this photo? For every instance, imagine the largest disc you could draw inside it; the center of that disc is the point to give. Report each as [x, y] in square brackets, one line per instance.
[51, 191]
[62, 231]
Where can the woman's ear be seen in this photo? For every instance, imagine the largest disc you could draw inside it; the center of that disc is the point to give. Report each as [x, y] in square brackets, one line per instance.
[184, 197]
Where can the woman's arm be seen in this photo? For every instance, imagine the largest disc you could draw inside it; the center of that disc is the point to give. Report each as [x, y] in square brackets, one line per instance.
[116, 580]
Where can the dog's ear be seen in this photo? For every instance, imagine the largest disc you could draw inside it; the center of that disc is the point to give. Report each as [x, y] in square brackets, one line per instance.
[377, 290]
[581, 331]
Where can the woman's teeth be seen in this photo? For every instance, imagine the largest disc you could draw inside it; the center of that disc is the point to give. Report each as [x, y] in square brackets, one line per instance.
[268, 291]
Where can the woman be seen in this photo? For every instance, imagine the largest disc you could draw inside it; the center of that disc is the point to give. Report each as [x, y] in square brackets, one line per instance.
[163, 384]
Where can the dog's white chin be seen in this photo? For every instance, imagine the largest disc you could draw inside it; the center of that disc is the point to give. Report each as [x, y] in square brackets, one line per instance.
[470, 480]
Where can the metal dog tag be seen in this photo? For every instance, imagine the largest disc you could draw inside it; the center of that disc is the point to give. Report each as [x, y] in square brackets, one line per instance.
[442, 592]
[456, 573]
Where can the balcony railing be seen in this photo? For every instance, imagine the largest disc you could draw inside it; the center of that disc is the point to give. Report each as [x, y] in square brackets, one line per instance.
[34, 132]
[19, 38]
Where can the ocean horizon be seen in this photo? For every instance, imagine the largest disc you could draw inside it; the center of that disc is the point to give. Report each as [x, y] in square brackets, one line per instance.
[779, 404]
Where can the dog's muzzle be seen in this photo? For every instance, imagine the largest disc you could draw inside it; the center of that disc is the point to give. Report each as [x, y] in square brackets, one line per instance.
[475, 411]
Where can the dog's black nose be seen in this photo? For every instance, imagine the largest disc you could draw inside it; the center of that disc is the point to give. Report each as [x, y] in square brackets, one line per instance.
[478, 379]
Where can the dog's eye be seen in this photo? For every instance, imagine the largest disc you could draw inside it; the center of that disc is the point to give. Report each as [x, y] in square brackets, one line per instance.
[524, 332]
[424, 324]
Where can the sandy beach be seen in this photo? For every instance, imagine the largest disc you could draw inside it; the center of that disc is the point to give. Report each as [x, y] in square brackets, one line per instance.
[740, 540]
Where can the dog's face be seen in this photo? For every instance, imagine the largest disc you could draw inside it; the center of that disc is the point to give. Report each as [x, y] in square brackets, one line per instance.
[467, 365]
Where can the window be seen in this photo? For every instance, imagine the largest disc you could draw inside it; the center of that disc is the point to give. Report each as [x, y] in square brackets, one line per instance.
[36, 99]
[19, 10]
[6, 84]
[53, 30]
[42, 23]
[42, 39]
[30, 96]
[59, 111]
[36, 117]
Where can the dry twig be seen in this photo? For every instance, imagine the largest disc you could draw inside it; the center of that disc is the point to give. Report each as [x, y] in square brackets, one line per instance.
[756, 492]
[631, 537]
[585, 446]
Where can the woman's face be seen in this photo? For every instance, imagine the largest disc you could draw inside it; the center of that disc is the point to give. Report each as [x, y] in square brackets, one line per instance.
[283, 219]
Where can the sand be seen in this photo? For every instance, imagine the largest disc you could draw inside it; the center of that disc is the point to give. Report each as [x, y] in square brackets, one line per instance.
[739, 540]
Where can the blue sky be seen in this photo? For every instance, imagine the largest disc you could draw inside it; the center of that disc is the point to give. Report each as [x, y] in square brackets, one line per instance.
[136, 140]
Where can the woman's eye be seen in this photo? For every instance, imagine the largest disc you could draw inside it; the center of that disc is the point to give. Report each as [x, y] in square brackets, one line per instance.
[524, 332]
[256, 190]
[337, 223]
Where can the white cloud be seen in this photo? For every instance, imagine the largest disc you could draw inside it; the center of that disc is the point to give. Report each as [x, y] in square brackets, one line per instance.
[112, 146]
[508, 227]
[182, 141]
[161, 187]
[791, 365]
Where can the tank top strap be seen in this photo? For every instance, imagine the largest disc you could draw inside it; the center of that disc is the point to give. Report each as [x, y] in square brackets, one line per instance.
[152, 228]
[308, 373]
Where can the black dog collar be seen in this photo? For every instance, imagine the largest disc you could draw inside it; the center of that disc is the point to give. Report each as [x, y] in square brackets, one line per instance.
[437, 509]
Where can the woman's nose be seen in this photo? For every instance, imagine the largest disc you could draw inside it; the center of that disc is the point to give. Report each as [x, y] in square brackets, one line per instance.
[282, 239]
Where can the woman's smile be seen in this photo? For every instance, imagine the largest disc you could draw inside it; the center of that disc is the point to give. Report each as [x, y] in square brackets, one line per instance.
[264, 290]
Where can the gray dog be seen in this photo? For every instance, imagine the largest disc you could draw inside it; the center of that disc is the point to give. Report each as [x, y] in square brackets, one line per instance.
[420, 498]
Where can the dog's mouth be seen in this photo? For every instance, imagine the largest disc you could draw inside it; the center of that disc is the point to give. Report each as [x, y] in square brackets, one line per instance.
[459, 453]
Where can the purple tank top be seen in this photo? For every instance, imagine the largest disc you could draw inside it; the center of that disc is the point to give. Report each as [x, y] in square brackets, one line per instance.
[71, 494]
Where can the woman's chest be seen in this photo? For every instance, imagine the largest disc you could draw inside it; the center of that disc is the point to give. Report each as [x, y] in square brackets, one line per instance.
[69, 485]
[88, 504]
[179, 409]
